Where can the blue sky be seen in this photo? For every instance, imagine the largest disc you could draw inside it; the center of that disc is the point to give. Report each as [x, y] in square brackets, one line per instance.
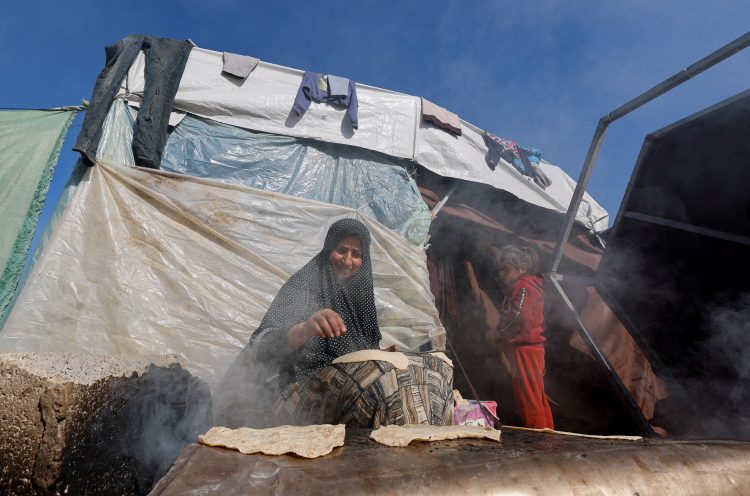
[539, 72]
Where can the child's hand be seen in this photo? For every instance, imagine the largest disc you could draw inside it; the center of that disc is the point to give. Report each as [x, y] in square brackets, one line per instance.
[492, 336]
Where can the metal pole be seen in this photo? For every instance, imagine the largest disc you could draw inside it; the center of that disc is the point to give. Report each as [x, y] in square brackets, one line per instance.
[588, 165]
[703, 231]
[442, 202]
[575, 202]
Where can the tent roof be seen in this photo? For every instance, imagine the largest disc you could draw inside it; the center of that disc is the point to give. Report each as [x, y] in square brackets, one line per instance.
[390, 123]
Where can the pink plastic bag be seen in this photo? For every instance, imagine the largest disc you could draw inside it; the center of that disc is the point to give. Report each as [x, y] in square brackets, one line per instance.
[468, 412]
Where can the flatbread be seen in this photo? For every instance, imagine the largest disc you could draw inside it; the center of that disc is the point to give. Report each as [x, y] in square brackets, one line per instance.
[575, 434]
[402, 435]
[396, 358]
[442, 356]
[310, 441]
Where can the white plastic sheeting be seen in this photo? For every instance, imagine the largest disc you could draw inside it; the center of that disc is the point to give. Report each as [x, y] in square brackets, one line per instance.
[263, 102]
[389, 123]
[144, 261]
[435, 146]
[372, 183]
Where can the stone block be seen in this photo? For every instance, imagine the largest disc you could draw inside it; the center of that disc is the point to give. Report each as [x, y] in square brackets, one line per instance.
[77, 423]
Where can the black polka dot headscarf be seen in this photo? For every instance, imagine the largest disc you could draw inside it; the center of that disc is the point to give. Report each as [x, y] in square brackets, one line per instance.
[315, 287]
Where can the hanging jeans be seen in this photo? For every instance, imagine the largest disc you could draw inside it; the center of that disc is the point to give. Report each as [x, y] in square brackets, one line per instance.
[165, 62]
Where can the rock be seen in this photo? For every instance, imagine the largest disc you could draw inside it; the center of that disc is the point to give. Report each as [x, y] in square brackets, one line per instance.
[77, 423]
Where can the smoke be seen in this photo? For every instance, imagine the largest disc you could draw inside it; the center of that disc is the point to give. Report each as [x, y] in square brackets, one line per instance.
[732, 325]
[695, 326]
[730, 343]
[175, 408]
[246, 395]
[709, 400]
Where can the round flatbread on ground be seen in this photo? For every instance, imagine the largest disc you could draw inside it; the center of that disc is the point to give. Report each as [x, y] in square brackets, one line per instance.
[310, 441]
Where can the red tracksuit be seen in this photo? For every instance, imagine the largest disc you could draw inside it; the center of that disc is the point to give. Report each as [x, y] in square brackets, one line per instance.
[522, 321]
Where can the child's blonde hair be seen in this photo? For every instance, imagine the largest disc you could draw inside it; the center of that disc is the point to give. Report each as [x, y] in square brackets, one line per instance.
[521, 257]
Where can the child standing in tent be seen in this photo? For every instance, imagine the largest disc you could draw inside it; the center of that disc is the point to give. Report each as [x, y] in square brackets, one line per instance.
[520, 332]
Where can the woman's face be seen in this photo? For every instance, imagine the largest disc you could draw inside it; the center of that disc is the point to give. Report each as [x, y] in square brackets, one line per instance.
[346, 258]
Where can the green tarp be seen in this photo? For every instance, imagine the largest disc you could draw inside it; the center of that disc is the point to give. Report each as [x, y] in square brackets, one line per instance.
[30, 142]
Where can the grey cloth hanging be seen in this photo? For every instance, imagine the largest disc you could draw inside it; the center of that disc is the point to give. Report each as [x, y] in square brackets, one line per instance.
[338, 87]
[238, 65]
[315, 88]
[539, 177]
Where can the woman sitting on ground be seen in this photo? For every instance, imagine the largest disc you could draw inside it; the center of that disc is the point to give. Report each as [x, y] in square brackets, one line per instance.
[325, 310]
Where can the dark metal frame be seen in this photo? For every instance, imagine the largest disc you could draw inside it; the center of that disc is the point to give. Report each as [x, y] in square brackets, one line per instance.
[642, 157]
[588, 166]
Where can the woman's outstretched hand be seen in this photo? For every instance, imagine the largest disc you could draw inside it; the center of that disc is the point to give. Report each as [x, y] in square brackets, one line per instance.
[324, 323]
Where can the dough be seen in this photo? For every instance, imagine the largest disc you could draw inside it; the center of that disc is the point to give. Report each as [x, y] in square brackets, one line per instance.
[396, 358]
[402, 435]
[308, 441]
[442, 356]
[575, 434]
